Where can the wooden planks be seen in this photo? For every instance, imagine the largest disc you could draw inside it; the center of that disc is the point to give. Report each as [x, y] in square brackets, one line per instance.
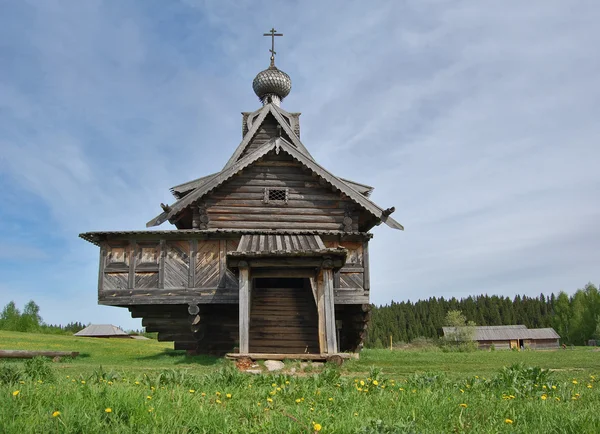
[177, 266]
[283, 320]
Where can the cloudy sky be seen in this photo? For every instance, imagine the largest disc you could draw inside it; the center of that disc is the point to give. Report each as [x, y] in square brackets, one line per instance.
[479, 121]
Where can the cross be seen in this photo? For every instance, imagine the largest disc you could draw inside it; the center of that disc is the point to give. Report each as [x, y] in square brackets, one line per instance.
[272, 34]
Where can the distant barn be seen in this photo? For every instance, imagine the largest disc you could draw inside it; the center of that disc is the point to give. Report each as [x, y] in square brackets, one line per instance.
[102, 331]
[511, 336]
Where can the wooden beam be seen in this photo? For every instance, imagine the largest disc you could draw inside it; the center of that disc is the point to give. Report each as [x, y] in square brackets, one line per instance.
[161, 264]
[366, 273]
[244, 308]
[25, 354]
[328, 299]
[132, 256]
[321, 313]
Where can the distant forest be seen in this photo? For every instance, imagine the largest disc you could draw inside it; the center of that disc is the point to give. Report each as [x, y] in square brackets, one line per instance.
[575, 318]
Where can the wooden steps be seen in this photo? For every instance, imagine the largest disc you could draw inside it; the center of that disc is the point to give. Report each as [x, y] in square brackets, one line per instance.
[283, 320]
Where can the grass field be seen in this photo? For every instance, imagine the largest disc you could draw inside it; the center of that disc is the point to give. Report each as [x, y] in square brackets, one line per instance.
[143, 386]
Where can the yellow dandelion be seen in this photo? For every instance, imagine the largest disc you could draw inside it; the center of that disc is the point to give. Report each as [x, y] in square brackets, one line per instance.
[317, 426]
[544, 397]
[218, 393]
[228, 396]
[137, 382]
[73, 380]
[274, 385]
[258, 404]
[476, 376]
[278, 389]
[462, 391]
[22, 382]
[152, 388]
[269, 400]
[110, 383]
[150, 410]
[508, 421]
[16, 392]
[218, 401]
[82, 381]
[375, 382]
[203, 394]
[68, 376]
[574, 381]
[401, 389]
[108, 410]
[362, 383]
[355, 414]
[56, 414]
[553, 387]
[298, 401]
[148, 397]
[312, 409]
[463, 405]
[272, 392]
[589, 386]
[544, 387]
[330, 399]
[192, 391]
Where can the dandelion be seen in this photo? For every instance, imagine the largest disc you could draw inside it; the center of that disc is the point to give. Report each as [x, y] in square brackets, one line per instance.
[218, 401]
[203, 394]
[574, 381]
[317, 426]
[258, 404]
[68, 376]
[553, 387]
[151, 409]
[218, 393]
[278, 389]
[73, 380]
[544, 387]
[330, 399]
[274, 385]
[298, 401]
[108, 410]
[362, 383]
[544, 397]
[228, 396]
[152, 388]
[272, 392]
[287, 382]
[56, 414]
[355, 414]
[589, 386]
[463, 405]
[269, 400]
[148, 397]
[110, 383]
[462, 391]
[137, 383]
[82, 381]
[375, 382]
[192, 391]
[508, 421]
[16, 392]
[22, 382]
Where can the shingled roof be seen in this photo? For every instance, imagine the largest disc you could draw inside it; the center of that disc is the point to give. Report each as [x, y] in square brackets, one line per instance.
[506, 333]
[101, 330]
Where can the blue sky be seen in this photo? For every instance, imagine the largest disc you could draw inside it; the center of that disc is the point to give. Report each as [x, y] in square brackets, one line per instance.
[477, 120]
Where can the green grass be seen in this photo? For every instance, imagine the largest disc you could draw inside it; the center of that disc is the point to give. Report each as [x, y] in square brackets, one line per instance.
[152, 389]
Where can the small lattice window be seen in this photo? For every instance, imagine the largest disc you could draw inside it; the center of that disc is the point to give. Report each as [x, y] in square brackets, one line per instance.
[276, 195]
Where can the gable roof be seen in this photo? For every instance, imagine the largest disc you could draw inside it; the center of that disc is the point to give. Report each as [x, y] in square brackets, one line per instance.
[278, 144]
[501, 333]
[256, 124]
[182, 189]
[101, 330]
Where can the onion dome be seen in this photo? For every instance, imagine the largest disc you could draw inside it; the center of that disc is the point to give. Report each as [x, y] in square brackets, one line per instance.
[272, 85]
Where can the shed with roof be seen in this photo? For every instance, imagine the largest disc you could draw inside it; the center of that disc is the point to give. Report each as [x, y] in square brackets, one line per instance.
[102, 331]
[511, 336]
[269, 255]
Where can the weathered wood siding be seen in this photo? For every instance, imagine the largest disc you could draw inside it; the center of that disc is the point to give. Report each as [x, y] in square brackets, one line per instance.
[267, 131]
[173, 271]
[240, 202]
[351, 282]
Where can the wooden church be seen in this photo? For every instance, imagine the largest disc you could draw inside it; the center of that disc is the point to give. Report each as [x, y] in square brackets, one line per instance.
[270, 254]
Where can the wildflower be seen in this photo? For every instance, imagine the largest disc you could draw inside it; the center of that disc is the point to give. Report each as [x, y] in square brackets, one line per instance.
[287, 382]
[355, 414]
[362, 383]
[463, 405]
[228, 396]
[557, 398]
[68, 376]
[110, 383]
[218, 401]
[82, 381]
[298, 401]
[16, 392]
[589, 386]
[317, 426]
[544, 387]
[278, 389]
[273, 385]
[203, 394]
[192, 391]
[476, 376]
[22, 382]
[401, 389]
[312, 409]
[574, 381]
[108, 410]
[56, 414]
[218, 393]
[272, 392]
[544, 397]
[148, 397]
[375, 382]
[508, 421]
[151, 409]
[330, 399]
[269, 400]
[258, 404]
[73, 380]
[152, 388]
[553, 387]
[462, 391]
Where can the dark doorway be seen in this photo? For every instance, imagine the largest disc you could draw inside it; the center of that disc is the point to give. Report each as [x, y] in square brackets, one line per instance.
[283, 317]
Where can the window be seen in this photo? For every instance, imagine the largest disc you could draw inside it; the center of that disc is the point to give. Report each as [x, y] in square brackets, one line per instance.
[278, 196]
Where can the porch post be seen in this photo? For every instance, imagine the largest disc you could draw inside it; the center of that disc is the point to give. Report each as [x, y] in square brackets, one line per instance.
[326, 309]
[244, 305]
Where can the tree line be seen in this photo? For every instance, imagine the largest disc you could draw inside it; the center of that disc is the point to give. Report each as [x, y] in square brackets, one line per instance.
[29, 320]
[576, 318]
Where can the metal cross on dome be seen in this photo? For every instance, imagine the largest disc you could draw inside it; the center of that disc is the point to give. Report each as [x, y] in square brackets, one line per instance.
[272, 33]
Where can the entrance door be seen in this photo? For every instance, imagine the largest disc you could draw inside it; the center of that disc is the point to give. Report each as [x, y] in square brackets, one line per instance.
[283, 317]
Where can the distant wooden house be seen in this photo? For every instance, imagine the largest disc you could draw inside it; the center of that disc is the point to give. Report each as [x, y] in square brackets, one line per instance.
[270, 254]
[102, 331]
[511, 336]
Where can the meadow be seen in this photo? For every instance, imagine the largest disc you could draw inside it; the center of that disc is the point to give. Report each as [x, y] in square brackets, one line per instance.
[128, 386]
